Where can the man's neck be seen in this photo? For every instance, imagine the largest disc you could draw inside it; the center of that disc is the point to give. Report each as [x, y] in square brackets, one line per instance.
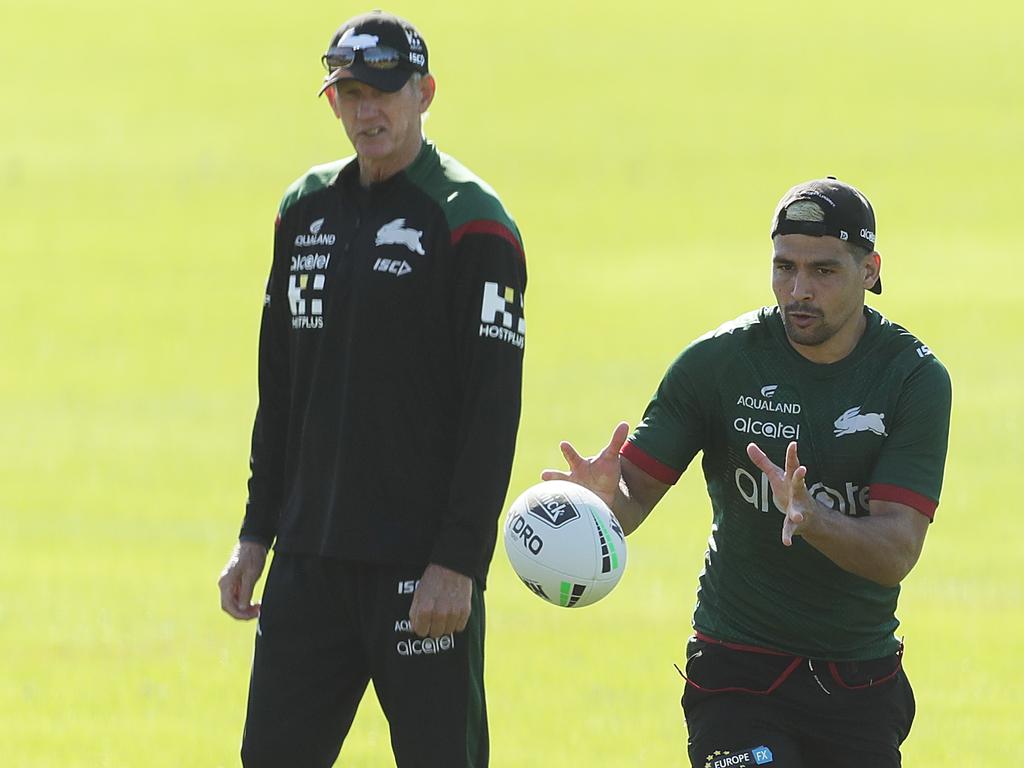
[374, 172]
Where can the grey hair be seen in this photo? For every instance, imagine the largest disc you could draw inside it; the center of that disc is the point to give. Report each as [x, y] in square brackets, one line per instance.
[414, 81]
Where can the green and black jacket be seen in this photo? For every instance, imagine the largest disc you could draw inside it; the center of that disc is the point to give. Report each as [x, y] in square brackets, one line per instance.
[390, 368]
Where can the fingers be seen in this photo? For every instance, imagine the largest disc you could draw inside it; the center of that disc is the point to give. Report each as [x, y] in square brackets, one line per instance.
[619, 435]
[441, 603]
[761, 460]
[570, 453]
[238, 579]
[792, 462]
[232, 599]
[435, 619]
[555, 474]
[245, 588]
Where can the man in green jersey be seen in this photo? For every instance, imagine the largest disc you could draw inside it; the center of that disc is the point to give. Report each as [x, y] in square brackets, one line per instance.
[823, 428]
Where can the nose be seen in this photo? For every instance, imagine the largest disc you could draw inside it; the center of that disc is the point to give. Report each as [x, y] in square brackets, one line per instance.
[802, 286]
[367, 108]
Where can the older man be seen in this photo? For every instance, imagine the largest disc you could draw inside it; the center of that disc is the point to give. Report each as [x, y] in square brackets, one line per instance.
[390, 365]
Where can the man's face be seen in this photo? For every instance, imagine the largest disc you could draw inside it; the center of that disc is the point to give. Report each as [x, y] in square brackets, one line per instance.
[382, 125]
[819, 286]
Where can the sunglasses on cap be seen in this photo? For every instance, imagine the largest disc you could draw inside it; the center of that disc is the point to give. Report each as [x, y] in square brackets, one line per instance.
[377, 57]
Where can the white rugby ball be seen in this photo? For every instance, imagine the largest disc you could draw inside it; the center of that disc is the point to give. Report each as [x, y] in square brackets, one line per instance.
[565, 543]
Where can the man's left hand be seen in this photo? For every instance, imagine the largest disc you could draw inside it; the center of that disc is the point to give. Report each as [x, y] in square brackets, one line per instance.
[441, 603]
[789, 490]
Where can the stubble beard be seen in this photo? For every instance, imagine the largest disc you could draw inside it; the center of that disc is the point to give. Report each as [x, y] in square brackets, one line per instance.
[813, 336]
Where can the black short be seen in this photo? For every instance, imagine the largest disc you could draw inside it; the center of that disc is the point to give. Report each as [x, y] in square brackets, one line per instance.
[328, 627]
[747, 708]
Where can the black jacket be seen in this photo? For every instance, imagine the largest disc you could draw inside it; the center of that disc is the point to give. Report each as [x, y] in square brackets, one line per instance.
[390, 368]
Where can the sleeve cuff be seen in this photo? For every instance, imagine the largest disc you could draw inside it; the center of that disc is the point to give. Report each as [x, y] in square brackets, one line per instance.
[900, 495]
[457, 549]
[656, 469]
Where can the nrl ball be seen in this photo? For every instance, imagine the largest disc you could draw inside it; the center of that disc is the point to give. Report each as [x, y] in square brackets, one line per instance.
[565, 543]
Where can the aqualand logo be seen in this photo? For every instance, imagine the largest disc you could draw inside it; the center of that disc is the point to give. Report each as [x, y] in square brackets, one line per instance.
[767, 402]
[315, 237]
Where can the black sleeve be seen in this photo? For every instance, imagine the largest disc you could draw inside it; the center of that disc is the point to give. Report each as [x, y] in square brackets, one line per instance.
[270, 429]
[490, 332]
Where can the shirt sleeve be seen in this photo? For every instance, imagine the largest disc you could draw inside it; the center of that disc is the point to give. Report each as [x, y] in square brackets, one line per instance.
[673, 426]
[270, 427]
[912, 462]
[490, 328]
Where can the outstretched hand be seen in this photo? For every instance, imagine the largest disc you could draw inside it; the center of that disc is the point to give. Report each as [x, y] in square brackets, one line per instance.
[789, 490]
[600, 473]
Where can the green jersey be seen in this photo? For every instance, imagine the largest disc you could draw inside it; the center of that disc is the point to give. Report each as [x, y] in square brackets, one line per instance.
[872, 426]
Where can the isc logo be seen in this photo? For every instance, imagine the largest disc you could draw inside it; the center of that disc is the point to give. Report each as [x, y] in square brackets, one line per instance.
[408, 587]
[392, 267]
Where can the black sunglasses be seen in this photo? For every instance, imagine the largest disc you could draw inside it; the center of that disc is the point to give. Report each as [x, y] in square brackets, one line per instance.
[377, 57]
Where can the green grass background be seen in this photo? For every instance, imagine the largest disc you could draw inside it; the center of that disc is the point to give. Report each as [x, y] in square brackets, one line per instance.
[641, 147]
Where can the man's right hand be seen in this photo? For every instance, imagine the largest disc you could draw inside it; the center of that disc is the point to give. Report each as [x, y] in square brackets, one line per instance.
[239, 577]
[600, 473]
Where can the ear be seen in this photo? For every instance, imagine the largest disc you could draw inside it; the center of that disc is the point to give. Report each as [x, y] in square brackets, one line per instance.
[428, 86]
[332, 99]
[872, 268]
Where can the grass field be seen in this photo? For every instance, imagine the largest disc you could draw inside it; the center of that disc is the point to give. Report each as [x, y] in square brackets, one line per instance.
[143, 149]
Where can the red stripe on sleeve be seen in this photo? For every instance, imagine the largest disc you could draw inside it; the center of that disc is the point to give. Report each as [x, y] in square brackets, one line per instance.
[662, 472]
[886, 492]
[487, 227]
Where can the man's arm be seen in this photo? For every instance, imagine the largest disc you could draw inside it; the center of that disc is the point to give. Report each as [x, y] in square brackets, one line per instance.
[487, 298]
[882, 546]
[629, 491]
[266, 459]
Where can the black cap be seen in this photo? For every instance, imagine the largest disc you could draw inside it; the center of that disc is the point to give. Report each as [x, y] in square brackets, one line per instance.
[372, 30]
[847, 214]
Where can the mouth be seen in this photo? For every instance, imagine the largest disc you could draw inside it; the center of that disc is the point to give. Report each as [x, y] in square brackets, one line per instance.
[372, 133]
[803, 319]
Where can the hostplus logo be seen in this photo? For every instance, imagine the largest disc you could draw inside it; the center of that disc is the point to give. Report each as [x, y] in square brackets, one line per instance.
[306, 305]
[501, 315]
[315, 236]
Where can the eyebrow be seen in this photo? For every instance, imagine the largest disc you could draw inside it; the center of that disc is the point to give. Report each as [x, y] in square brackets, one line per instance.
[825, 262]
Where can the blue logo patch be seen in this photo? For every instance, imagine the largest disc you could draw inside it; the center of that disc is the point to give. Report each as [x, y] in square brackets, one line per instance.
[762, 755]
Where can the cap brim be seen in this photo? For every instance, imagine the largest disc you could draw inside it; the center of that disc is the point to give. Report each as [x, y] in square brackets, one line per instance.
[877, 287]
[387, 80]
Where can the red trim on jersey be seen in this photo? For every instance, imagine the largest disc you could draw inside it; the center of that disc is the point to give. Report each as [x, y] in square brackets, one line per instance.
[649, 464]
[886, 492]
[487, 227]
[795, 662]
[738, 646]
